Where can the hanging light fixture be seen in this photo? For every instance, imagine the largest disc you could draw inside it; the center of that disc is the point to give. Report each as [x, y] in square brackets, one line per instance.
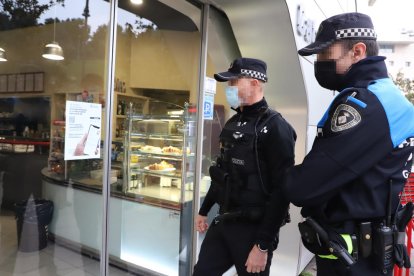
[2, 55]
[136, 2]
[52, 50]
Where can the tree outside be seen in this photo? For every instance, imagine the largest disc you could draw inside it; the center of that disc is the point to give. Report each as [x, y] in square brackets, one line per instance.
[406, 85]
[22, 13]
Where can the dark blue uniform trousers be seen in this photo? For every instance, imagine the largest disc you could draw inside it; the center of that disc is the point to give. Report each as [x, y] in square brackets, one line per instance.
[225, 244]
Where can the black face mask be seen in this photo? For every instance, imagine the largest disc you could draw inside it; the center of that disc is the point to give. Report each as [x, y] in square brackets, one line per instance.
[325, 73]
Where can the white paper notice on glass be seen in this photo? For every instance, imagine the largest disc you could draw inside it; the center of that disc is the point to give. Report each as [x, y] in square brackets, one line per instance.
[83, 130]
[210, 85]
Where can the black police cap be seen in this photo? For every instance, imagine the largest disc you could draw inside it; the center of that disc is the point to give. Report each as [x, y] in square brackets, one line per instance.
[342, 26]
[244, 67]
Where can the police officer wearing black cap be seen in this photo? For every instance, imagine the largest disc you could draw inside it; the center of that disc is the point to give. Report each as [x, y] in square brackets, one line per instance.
[349, 183]
[257, 146]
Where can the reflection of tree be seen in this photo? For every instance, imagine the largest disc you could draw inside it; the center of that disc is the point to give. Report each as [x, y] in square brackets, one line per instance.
[95, 47]
[70, 35]
[22, 13]
[406, 85]
[84, 52]
[141, 25]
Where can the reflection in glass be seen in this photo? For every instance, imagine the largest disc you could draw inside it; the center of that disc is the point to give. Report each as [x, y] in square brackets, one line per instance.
[32, 131]
[53, 51]
[156, 77]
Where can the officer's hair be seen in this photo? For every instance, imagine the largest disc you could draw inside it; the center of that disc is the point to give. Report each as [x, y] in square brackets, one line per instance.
[372, 45]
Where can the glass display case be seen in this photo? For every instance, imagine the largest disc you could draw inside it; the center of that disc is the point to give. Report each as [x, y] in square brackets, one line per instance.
[157, 149]
[124, 102]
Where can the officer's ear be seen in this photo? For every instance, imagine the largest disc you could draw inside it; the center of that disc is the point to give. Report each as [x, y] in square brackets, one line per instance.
[254, 82]
[359, 51]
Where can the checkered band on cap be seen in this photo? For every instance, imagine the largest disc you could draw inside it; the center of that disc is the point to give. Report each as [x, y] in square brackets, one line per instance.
[254, 74]
[356, 32]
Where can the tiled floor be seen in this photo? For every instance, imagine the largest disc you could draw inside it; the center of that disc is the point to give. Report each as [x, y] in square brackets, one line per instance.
[51, 261]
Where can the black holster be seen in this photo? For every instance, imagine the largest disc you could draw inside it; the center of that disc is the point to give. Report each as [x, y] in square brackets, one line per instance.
[218, 175]
[220, 180]
[323, 241]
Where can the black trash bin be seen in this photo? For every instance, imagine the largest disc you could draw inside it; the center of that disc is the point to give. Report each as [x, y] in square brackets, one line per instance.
[32, 219]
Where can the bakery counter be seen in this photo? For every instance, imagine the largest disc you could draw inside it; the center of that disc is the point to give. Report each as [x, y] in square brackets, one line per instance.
[23, 145]
[154, 194]
[77, 218]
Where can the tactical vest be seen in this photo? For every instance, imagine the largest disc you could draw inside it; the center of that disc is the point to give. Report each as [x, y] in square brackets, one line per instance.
[249, 186]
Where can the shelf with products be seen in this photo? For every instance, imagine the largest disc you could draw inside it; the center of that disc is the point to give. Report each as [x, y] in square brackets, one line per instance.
[157, 153]
[124, 103]
[7, 125]
[56, 163]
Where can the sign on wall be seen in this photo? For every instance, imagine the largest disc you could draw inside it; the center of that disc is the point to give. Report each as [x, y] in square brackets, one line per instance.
[22, 82]
[305, 26]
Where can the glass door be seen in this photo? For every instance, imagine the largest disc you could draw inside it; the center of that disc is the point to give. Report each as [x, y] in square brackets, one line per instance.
[153, 148]
[52, 101]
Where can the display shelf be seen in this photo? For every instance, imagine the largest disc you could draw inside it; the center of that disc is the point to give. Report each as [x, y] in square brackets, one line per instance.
[157, 137]
[156, 151]
[124, 103]
[58, 122]
[158, 155]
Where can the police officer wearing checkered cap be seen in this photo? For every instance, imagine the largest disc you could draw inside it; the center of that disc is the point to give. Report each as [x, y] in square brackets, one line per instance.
[349, 183]
[257, 146]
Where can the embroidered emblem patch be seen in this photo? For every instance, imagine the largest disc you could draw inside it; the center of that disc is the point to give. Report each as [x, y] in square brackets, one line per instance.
[345, 117]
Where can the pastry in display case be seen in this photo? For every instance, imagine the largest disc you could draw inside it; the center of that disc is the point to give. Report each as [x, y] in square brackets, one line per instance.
[157, 149]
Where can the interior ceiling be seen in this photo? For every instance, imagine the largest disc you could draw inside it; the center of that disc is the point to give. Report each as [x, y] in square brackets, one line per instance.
[165, 17]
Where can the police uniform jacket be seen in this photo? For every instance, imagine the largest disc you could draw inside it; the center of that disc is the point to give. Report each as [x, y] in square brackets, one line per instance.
[363, 143]
[274, 150]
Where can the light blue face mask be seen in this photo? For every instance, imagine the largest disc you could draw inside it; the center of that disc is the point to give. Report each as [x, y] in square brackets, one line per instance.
[232, 96]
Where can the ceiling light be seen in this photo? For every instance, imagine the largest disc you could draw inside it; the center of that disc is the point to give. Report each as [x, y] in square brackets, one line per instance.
[2, 55]
[53, 51]
[136, 2]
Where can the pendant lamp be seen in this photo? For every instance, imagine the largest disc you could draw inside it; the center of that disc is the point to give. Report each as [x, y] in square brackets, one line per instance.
[52, 50]
[136, 2]
[2, 55]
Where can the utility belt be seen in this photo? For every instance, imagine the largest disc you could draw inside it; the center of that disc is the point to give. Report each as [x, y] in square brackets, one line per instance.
[384, 243]
[248, 214]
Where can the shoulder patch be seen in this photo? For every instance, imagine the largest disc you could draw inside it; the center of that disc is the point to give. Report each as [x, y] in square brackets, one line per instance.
[344, 117]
